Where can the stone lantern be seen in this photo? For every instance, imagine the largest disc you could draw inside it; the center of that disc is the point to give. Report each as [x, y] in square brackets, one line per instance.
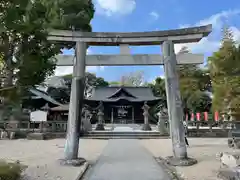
[100, 115]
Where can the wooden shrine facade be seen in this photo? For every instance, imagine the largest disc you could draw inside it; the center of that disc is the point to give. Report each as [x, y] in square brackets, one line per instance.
[121, 105]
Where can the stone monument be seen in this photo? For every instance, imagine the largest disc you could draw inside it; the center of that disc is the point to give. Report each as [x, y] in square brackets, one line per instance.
[100, 115]
[162, 119]
[87, 126]
[146, 125]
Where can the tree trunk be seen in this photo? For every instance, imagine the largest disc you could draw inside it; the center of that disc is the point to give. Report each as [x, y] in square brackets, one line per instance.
[8, 82]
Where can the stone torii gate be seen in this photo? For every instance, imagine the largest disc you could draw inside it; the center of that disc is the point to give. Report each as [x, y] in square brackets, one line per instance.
[165, 38]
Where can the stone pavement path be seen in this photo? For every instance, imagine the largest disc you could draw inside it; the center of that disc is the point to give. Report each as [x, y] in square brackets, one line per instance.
[126, 159]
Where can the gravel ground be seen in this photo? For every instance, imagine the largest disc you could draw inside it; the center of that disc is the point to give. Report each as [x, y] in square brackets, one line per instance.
[202, 149]
[41, 157]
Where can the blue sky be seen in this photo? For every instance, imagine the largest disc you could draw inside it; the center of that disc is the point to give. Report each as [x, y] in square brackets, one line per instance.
[143, 15]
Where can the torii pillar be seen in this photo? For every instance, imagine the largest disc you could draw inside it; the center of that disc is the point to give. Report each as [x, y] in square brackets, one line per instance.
[175, 111]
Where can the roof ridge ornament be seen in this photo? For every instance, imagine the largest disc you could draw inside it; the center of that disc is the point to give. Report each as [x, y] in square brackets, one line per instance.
[120, 90]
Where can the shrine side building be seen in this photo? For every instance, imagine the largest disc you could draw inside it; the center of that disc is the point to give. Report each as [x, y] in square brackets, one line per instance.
[122, 104]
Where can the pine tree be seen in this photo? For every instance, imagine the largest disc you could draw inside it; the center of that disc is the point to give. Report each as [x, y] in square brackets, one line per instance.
[224, 68]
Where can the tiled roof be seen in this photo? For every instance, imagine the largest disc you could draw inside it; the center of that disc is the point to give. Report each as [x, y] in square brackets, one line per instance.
[113, 94]
[44, 95]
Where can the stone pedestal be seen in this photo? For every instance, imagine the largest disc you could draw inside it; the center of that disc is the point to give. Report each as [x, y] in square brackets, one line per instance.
[146, 126]
[100, 127]
[162, 124]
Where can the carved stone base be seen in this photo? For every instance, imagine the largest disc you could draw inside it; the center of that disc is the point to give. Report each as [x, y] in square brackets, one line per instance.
[180, 162]
[100, 127]
[72, 162]
[163, 132]
[146, 127]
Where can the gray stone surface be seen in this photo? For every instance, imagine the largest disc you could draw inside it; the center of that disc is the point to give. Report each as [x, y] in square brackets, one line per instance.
[174, 102]
[128, 160]
[129, 60]
[76, 103]
[184, 35]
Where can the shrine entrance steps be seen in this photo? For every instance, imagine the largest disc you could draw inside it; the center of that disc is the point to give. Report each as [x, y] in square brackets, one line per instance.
[124, 131]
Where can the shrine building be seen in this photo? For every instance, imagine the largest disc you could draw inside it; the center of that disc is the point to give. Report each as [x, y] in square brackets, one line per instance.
[122, 104]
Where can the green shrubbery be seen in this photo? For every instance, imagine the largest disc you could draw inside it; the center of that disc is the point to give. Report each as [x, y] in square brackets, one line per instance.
[10, 171]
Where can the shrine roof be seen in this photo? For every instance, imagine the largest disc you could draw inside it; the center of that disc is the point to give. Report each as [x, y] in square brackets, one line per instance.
[132, 94]
[41, 94]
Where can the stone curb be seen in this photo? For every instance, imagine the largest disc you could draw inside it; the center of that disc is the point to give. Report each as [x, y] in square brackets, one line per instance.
[83, 171]
[171, 171]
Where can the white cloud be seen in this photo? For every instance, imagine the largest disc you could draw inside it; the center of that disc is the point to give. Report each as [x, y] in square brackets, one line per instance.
[115, 7]
[236, 33]
[217, 20]
[154, 15]
[63, 70]
[207, 45]
[95, 68]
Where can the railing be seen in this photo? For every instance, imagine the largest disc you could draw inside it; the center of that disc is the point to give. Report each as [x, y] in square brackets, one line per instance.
[195, 128]
[61, 126]
[49, 126]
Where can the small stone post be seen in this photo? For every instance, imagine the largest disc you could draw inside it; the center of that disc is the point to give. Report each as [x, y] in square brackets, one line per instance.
[54, 127]
[3, 134]
[161, 124]
[100, 115]
[175, 111]
[87, 123]
[146, 125]
[75, 107]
